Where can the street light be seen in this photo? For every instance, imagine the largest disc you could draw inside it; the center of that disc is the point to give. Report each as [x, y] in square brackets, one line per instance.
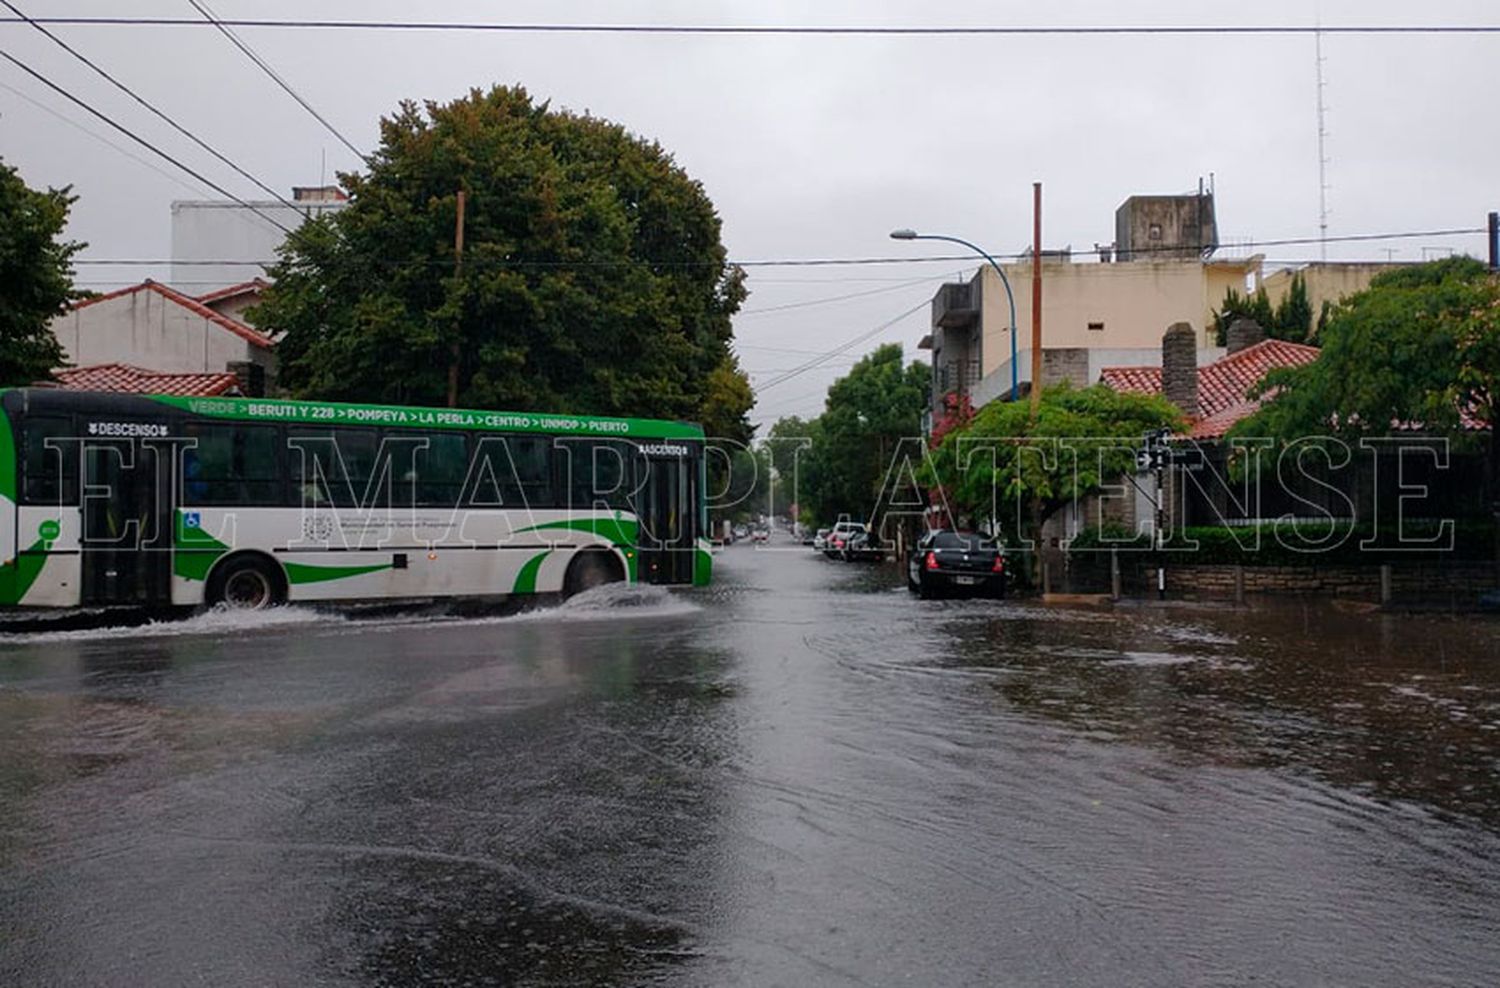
[1015, 388]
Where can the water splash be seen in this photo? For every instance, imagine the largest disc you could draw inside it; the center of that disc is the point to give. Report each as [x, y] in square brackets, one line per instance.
[614, 602]
[217, 621]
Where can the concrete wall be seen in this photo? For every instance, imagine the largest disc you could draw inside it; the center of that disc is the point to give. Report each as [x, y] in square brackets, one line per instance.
[1330, 280]
[1132, 303]
[226, 231]
[147, 330]
[1183, 226]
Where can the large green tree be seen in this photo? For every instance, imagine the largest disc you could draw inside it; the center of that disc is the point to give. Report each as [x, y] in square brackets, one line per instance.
[1005, 464]
[36, 277]
[592, 279]
[869, 411]
[1419, 348]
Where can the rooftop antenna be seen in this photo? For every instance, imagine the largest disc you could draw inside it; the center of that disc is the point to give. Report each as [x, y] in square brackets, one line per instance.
[1322, 147]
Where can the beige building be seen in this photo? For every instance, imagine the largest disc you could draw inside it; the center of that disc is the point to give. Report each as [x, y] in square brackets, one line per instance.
[1326, 280]
[1093, 315]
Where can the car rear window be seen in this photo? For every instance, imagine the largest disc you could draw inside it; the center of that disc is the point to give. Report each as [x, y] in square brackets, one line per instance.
[962, 540]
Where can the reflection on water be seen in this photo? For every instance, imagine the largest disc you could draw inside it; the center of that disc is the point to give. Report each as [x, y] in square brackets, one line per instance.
[1399, 707]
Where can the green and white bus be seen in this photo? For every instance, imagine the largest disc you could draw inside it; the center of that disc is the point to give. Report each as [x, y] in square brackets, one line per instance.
[165, 501]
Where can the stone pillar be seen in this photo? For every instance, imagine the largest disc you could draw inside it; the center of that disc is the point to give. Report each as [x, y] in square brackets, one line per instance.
[1243, 333]
[1179, 368]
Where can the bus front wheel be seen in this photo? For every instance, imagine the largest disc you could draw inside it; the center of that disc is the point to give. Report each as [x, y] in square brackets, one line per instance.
[591, 569]
[246, 583]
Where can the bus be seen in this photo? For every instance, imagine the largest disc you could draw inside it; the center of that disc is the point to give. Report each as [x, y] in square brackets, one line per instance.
[164, 501]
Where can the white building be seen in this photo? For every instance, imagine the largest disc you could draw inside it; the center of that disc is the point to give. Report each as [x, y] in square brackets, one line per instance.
[207, 234]
[160, 329]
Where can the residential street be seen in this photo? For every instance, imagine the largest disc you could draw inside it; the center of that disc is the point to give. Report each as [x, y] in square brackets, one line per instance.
[798, 776]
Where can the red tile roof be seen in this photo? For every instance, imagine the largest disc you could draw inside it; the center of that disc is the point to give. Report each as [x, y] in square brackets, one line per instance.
[1222, 385]
[139, 380]
[252, 287]
[243, 330]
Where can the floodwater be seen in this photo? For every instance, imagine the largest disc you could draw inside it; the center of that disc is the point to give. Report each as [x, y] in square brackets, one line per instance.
[799, 776]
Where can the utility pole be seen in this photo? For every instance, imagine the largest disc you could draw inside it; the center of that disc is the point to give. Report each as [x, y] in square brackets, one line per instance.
[1495, 241]
[1036, 299]
[458, 267]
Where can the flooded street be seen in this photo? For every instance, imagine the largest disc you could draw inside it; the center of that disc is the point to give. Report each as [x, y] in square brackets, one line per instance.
[801, 775]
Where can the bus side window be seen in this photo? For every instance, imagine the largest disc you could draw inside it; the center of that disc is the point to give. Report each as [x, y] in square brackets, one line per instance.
[600, 472]
[231, 464]
[440, 470]
[335, 464]
[532, 456]
[51, 471]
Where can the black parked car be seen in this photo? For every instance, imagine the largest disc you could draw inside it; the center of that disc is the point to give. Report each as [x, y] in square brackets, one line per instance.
[946, 561]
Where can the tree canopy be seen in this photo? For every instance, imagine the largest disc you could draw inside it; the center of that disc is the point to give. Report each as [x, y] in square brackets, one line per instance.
[593, 278]
[869, 411]
[1290, 319]
[1419, 347]
[1082, 438]
[36, 277]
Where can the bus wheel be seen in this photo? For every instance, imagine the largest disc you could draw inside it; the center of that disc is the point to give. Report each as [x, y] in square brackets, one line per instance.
[591, 569]
[246, 583]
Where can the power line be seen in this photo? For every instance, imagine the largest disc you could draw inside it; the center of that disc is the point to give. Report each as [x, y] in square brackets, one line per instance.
[775, 349]
[785, 29]
[829, 355]
[275, 77]
[138, 139]
[839, 261]
[101, 139]
[829, 299]
[34, 22]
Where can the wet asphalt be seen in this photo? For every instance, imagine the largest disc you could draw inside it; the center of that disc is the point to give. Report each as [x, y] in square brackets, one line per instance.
[798, 776]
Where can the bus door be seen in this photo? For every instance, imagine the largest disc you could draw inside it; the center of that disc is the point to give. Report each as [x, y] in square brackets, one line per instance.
[126, 536]
[668, 513]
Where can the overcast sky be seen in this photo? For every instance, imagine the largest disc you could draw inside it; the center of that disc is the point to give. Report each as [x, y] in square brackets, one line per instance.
[817, 146]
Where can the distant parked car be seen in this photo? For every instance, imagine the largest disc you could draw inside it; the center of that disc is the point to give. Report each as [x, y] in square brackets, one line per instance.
[820, 539]
[833, 548]
[948, 561]
[862, 547]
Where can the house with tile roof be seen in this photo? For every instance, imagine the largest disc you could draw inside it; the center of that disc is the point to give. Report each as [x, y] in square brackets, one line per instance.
[158, 330]
[233, 300]
[1223, 386]
[125, 379]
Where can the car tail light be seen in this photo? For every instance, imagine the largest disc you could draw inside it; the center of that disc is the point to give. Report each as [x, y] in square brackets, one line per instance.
[999, 566]
[931, 561]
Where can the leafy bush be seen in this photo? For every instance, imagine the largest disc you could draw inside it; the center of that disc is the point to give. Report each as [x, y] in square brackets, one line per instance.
[1290, 544]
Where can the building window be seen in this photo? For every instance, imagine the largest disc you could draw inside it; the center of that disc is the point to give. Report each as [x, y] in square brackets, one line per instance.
[1154, 233]
[1096, 327]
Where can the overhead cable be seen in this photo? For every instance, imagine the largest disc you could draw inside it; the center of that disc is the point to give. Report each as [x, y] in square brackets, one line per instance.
[275, 76]
[35, 22]
[141, 141]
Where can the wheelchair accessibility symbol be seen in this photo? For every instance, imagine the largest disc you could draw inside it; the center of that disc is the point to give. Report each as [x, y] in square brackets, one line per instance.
[192, 519]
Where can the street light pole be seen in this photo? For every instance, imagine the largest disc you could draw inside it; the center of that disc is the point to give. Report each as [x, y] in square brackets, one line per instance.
[1015, 388]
